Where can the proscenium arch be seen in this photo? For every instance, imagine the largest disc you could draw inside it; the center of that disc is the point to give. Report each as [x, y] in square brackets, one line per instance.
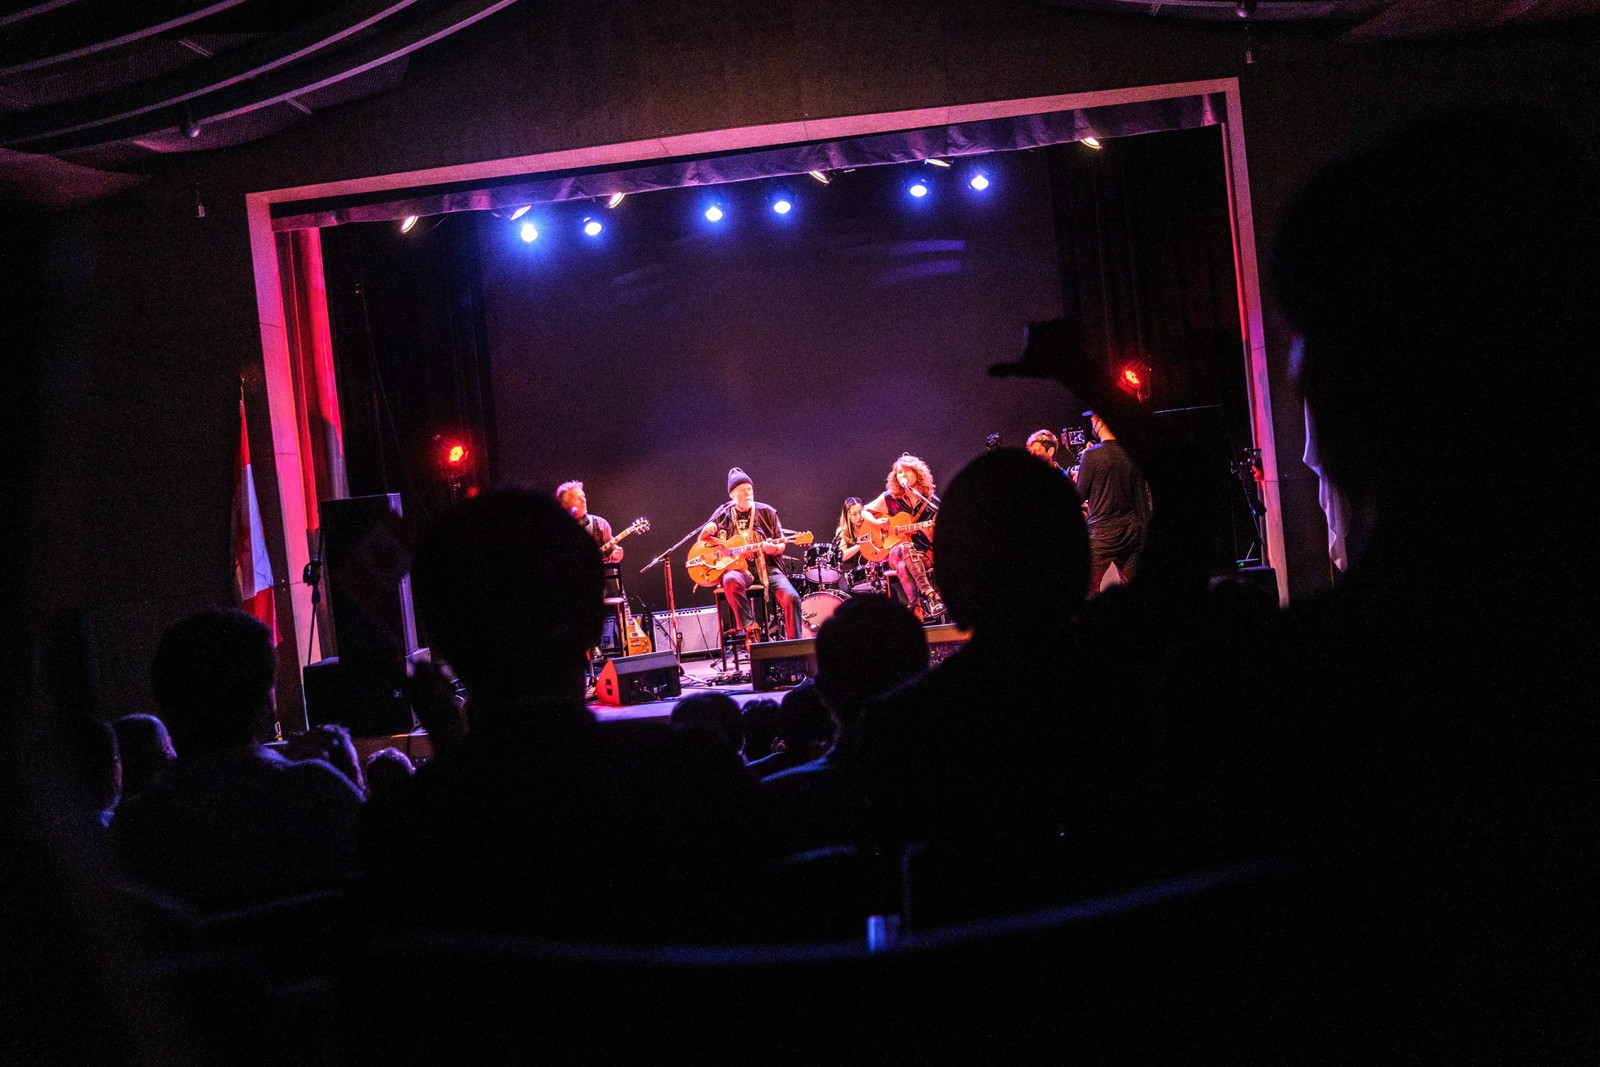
[277, 376]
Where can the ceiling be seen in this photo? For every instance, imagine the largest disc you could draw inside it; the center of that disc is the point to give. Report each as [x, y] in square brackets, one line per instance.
[93, 92]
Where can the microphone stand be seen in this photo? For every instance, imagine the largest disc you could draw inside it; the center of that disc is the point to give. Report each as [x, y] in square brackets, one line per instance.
[665, 560]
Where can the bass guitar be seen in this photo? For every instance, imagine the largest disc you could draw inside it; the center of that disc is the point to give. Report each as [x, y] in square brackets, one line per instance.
[875, 549]
[639, 525]
[712, 557]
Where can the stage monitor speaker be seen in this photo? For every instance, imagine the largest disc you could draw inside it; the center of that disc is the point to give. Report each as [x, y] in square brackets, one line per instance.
[336, 694]
[1263, 577]
[777, 664]
[638, 679]
[698, 626]
[943, 639]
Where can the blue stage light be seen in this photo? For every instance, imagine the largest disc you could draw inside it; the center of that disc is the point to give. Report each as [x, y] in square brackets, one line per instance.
[918, 189]
[979, 182]
[783, 205]
[592, 227]
[713, 213]
[529, 232]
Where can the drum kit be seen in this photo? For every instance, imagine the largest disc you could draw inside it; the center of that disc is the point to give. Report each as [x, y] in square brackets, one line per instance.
[824, 583]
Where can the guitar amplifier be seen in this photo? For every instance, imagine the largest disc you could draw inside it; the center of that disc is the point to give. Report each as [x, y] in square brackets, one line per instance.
[698, 627]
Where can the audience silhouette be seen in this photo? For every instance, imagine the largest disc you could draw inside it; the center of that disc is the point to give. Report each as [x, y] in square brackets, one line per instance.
[541, 820]
[233, 820]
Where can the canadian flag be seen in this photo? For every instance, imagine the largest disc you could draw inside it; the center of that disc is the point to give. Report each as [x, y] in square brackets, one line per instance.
[252, 570]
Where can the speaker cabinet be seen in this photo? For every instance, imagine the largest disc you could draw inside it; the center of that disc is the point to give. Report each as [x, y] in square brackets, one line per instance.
[366, 546]
[360, 700]
[777, 664]
[638, 679]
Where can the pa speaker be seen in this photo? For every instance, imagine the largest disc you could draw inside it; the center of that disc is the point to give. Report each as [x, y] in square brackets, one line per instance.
[336, 694]
[776, 664]
[366, 545]
[638, 679]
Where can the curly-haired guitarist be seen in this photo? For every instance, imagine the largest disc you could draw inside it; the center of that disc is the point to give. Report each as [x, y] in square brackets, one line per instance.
[902, 516]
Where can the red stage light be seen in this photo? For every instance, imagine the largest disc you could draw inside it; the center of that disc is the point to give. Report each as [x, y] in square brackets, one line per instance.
[1134, 381]
[455, 455]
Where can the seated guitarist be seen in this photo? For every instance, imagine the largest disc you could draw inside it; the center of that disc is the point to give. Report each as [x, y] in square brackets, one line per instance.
[742, 518]
[909, 491]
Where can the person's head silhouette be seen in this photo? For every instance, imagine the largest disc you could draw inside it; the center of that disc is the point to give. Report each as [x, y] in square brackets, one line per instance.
[509, 590]
[1012, 552]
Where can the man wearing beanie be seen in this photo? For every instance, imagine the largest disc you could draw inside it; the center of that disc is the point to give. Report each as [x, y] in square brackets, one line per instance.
[743, 520]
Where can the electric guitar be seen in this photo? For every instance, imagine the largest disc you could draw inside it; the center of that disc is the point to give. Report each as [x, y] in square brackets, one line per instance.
[637, 644]
[639, 525]
[712, 557]
[875, 549]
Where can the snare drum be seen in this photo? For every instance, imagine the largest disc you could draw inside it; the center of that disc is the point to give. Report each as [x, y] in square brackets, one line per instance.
[822, 565]
[816, 608]
[865, 579]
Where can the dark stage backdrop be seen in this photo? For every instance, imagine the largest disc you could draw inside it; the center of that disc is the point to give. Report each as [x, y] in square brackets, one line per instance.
[811, 350]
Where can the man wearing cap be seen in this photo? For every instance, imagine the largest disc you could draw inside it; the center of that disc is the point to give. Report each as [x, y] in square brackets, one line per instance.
[1117, 498]
[744, 519]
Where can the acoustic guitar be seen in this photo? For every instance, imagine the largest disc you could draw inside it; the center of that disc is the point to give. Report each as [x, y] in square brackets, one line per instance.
[875, 549]
[712, 557]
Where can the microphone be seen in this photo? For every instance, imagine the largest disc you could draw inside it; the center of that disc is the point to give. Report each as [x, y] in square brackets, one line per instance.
[905, 483]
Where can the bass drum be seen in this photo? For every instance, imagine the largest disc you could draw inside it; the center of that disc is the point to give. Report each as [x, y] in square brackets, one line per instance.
[816, 608]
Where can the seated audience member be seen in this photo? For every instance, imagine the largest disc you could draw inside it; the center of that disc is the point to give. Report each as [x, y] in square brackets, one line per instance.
[234, 821]
[386, 770]
[146, 750]
[93, 771]
[867, 647]
[1434, 692]
[541, 819]
[716, 712]
[805, 729]
[983, 744]
[331, 743]
[760, 719]
[1412, 737]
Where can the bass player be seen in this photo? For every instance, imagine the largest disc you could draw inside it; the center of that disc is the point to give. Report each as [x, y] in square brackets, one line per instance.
[742, 519]
[908, 491]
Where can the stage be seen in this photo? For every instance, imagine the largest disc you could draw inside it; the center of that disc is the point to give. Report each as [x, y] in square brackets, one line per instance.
[780, 665]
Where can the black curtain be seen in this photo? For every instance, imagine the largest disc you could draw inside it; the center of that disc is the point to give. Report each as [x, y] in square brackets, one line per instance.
[1146, 260]
[410, 345]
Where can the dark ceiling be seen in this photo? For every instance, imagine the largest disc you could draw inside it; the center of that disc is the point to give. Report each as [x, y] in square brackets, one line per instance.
[92, 92]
